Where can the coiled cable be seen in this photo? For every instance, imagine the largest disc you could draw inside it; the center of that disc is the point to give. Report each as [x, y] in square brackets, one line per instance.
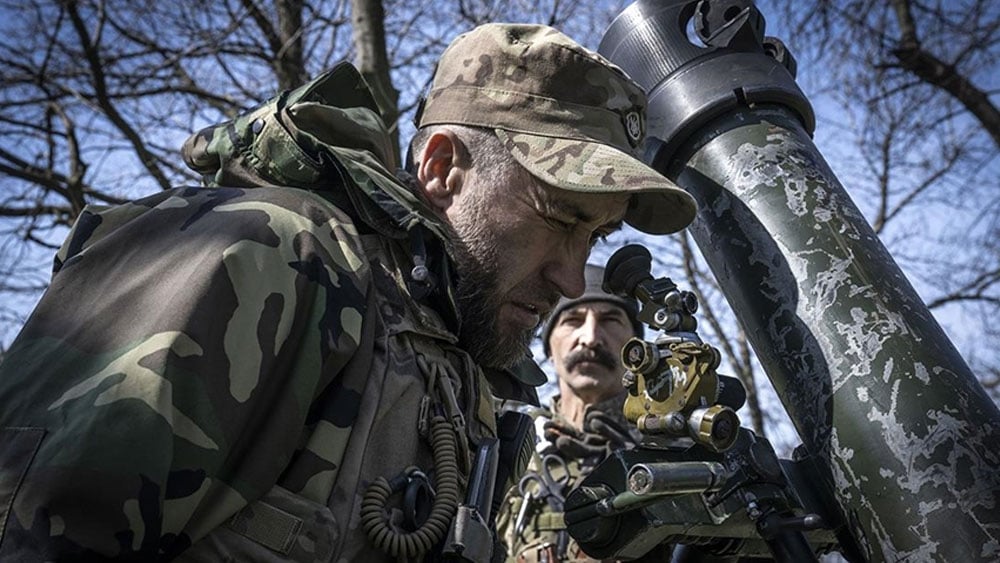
[411, 545]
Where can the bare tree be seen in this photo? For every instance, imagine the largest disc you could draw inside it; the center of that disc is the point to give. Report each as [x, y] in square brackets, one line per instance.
[914, 133]
[368, 21]
[96, 96]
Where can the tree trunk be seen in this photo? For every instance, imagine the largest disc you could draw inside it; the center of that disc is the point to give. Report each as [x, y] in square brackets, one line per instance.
[368, 24]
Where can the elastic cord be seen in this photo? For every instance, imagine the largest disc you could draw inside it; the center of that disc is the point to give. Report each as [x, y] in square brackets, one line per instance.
[413, 545]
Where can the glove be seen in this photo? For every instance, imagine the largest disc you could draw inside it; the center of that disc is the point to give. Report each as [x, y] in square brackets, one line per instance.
[601, 434]
[571, 443]
[613, 428]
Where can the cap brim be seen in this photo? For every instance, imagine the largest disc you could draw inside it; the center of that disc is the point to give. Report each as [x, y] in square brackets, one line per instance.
[658, 205]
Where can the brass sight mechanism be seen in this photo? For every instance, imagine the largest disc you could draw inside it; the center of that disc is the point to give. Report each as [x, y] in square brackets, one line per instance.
[673, 388]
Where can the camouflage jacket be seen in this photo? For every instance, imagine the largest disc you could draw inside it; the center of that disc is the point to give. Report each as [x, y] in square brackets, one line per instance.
[220, 374]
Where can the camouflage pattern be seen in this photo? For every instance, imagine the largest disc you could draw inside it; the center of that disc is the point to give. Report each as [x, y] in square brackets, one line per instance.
[568, 115]
[531, 533]
[325, 132]
[217, 374]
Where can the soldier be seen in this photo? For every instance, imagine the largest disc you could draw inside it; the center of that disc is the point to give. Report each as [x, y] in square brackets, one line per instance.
[298, 362]
[583, 338]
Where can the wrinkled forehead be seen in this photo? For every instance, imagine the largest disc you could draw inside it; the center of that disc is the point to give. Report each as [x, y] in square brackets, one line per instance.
[592, 208]
[601, 309]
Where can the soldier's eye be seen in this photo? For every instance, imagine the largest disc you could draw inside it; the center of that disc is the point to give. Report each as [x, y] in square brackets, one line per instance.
[571, 321]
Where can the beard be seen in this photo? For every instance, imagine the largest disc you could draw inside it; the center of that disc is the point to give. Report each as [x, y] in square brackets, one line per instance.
[474, 250]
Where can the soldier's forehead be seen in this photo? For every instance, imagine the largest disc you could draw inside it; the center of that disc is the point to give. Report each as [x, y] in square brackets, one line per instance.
[598, 307]
[587, 207]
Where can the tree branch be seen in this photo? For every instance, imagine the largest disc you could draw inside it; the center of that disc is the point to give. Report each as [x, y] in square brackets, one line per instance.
[95, 65]
[368, 23]
[932, 70]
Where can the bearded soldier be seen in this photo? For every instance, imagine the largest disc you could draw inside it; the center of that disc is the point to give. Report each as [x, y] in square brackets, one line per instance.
[299, 361]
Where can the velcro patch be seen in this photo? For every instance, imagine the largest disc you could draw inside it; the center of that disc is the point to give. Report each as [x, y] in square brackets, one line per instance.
[269, 526]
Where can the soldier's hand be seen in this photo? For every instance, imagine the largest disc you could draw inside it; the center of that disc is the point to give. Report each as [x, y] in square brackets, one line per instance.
[572, 443]
[612, 428]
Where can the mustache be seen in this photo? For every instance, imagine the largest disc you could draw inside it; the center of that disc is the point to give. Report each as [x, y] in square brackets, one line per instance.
[599, 355]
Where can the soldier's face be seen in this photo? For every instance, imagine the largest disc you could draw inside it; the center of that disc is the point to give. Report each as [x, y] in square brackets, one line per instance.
[523, 244]
[586, 343]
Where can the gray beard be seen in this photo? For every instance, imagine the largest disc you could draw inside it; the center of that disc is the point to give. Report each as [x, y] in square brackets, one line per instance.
[479, 301]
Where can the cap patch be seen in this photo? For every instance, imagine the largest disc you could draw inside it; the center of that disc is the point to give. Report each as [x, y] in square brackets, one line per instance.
[633, 127]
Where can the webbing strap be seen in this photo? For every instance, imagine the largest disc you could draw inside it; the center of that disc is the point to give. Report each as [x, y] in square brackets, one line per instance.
[550, 521]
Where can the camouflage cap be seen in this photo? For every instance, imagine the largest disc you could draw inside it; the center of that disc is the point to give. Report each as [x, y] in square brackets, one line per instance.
[572, 118]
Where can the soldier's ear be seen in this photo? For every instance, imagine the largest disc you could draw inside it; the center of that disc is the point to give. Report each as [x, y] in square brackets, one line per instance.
[442, 168]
